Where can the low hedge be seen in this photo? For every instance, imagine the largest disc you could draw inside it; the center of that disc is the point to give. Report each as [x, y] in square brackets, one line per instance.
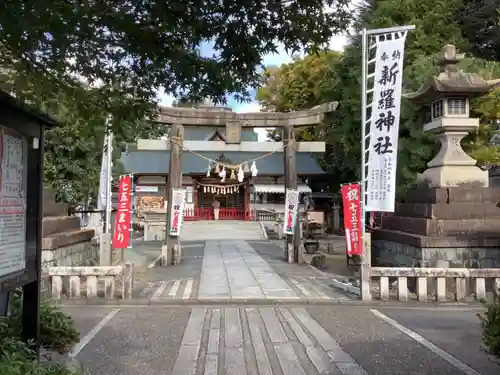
[57, 335]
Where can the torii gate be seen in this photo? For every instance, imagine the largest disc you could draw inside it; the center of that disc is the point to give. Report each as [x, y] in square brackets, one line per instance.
[177, 117]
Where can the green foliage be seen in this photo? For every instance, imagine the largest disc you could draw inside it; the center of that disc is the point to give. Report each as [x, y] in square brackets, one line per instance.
[73, 150]
[297, 86]
[142, 45]
[479, 22]
[490, 322]
[57, 334]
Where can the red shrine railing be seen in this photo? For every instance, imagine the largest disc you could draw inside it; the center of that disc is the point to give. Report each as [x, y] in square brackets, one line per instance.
[191, 214]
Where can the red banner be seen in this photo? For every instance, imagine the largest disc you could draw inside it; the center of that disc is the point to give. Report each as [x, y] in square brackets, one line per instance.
[352, 218]
[121, 233]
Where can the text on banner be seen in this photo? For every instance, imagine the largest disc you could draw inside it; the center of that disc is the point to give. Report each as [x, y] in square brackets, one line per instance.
[352, 218]
[121, 233]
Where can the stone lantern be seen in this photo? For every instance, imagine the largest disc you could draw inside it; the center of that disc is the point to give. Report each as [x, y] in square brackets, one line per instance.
[451, 221]
[447, 97]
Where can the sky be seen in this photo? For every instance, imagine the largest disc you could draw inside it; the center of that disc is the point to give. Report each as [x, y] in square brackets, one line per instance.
[337, 43]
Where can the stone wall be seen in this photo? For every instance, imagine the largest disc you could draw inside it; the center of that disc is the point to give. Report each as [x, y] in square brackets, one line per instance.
[64, 242]
[394, 254]
[78, 254]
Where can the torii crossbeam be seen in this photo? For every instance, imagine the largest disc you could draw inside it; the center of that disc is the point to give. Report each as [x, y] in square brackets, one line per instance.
[177, 117]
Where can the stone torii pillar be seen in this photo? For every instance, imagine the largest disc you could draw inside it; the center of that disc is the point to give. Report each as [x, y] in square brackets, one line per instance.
[234, 122]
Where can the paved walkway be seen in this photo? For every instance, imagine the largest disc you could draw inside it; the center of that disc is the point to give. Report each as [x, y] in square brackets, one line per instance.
[235, 270]
[225, 271]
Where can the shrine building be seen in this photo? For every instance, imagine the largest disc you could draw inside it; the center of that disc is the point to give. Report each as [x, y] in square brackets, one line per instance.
[253, 183]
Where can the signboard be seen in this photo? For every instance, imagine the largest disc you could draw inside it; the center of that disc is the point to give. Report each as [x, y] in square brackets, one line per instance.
[384, 125]
[352, 218]
[146, 189]
[291, 206]
[177, 213]
[12, 202]
[122, 231]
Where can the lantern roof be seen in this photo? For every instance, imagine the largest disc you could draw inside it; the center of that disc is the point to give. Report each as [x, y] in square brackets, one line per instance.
[451, 81]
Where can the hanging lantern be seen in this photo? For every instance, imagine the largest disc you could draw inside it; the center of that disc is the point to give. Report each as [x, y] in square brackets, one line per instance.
[245, 168]
[217, 169]
[233, 176]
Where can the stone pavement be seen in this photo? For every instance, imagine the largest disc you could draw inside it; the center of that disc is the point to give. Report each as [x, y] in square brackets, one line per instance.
[250, 340]
[237, 308]
[230, 271]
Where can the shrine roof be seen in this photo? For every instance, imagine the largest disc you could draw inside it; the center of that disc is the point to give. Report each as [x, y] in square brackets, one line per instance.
[194, 133]
[157, 162]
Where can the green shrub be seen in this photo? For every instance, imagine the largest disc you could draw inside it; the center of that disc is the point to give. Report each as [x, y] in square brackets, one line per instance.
[490, 322]
[57, 334]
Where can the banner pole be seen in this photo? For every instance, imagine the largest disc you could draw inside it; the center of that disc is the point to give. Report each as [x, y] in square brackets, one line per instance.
[132, 187]
[364, 287]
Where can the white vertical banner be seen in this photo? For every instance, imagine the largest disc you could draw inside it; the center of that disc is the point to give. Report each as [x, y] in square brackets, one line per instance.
[384, 121]
[291, 208]
[177, 212]
[103, 178]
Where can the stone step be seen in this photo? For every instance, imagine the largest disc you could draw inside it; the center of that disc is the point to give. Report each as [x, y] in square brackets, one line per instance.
[51, 208]
[223, 229]
[59, 224]
[66, 238]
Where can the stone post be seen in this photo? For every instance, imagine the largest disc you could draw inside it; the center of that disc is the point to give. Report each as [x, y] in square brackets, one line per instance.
[366, 263]
[105, 249]
[171, 251]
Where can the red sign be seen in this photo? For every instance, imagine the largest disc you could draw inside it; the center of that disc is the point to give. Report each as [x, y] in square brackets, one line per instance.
[121, 234]
[352, 218]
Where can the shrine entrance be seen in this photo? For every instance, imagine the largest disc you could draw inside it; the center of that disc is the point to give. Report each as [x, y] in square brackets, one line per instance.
[232, 199]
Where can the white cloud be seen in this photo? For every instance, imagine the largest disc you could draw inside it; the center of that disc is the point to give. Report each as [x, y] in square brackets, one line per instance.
[165, 99]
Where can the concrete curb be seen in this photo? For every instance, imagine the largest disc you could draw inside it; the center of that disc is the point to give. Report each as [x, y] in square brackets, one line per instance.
[346, 287]
[264, 232]
[203, 302]
[338, 284]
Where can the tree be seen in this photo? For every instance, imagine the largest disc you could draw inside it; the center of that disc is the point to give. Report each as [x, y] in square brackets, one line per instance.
[301, 84]
[73, 149]
[433, 31]
[137, 47]
[479, 22]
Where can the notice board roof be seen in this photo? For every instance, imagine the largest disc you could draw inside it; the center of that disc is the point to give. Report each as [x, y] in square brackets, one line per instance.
[36, 114]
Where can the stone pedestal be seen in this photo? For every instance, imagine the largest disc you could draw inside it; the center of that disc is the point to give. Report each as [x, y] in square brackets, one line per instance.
[442, 227]
[452, 166]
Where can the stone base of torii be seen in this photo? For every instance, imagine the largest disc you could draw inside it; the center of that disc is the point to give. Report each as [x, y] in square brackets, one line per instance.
[179, 117]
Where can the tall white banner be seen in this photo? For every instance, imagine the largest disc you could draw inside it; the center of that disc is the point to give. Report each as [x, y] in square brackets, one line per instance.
[103, 178]
[384, 125]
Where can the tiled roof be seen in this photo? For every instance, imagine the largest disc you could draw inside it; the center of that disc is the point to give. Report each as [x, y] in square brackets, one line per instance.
[157, 162]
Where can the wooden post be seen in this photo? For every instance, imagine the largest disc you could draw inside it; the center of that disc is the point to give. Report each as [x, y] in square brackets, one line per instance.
[174, 182]
[290, 145]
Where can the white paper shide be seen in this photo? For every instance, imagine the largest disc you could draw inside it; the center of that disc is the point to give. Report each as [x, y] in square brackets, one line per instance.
[12, 204]
[384, 126]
